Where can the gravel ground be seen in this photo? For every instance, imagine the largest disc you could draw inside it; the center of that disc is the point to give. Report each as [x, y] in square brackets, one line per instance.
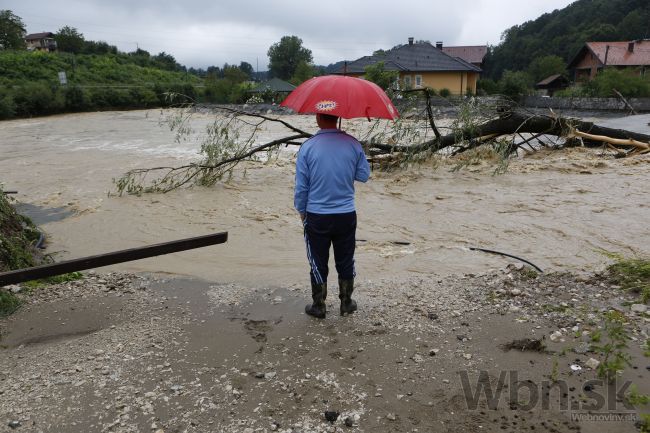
[133, 353]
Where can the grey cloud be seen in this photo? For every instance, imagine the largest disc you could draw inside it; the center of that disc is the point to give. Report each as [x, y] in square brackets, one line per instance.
[202, 33]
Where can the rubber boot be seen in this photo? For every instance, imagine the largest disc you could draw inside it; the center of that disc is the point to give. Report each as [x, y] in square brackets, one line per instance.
[318, 294]
[348, 305]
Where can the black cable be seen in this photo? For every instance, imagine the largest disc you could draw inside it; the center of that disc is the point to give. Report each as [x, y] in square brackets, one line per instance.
[507, 255]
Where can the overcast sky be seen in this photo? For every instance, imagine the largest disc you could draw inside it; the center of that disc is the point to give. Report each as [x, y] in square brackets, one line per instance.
[201, 33]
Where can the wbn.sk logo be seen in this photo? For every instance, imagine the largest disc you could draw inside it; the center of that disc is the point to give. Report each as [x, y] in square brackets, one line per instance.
[593, 395]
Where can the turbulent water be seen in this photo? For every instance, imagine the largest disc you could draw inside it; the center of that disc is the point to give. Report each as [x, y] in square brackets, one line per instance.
[560, 210]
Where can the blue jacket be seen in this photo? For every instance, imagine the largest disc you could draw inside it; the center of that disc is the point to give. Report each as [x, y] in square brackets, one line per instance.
[327, 166]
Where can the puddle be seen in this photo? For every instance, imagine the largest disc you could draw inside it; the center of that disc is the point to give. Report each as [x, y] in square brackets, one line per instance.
[59, 321]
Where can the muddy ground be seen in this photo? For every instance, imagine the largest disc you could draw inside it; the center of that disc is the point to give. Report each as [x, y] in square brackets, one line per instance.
[134, 353]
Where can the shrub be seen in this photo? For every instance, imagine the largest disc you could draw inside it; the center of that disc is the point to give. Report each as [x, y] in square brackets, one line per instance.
[515, 84]
[143, 97]
[255, 99]
[110, 97]
[487, 86]
[37, 99]
[76, 99]
[628, 83]
[7, 106]
[445, 92]
[576, 91]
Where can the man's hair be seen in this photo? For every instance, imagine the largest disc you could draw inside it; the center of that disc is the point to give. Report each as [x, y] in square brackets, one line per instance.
[329, 117]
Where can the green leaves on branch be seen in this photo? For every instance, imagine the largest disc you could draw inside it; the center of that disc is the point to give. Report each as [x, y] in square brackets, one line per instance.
[226, 142]
[69, 40]
[378, 74]
[12, 31]
[613, 350]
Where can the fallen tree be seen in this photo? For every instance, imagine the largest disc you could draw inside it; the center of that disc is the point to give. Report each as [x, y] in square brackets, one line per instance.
[233, 138]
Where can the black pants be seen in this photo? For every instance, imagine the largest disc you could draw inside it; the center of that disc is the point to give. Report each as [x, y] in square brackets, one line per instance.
[337, 230]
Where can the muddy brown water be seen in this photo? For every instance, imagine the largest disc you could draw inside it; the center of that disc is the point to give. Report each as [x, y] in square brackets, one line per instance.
[560, 210]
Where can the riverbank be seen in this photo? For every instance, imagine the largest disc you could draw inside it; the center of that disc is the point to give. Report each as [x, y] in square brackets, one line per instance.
[169, 355]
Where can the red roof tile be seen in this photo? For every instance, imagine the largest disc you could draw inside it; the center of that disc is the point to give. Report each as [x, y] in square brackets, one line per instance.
[471, 54]
[619, 53]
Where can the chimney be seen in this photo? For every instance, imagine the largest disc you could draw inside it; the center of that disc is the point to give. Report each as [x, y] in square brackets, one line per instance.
[411, 40]
[630, 47]
[439, 45]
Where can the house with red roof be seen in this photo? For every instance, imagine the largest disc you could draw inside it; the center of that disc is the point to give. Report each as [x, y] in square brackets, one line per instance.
[596, 56]
[474, 54]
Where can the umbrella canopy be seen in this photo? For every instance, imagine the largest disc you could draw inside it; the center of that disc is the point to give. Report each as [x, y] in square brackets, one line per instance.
[341, 96]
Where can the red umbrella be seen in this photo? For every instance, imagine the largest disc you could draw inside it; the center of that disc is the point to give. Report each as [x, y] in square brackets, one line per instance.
[341, 96]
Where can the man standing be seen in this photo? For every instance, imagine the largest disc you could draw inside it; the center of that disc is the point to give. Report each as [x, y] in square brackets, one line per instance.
[326, 168]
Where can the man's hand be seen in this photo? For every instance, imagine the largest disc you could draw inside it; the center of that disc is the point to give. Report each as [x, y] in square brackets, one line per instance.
[302, 217]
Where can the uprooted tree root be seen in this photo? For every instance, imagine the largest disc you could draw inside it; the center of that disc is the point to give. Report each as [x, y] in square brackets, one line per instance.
[502, 128]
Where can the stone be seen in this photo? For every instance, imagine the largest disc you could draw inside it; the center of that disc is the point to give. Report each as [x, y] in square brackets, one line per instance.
[582, 348]
[349, 422]
[639, 308]
[592, 363]
[391, 417]
[331, 416]
[14, 424]
[433, 352]
[270, 375]
[432, 316]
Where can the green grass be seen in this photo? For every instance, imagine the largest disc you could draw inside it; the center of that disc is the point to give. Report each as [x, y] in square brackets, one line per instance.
[64, 278]
[8, 303]
[632, 275]
[644, 424]
[613, 351]
[636, 398]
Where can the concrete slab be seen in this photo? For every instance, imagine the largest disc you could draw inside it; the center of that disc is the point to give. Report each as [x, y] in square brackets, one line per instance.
[639, 123]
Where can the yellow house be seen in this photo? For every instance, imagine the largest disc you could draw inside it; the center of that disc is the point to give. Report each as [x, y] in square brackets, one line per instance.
[422, 65]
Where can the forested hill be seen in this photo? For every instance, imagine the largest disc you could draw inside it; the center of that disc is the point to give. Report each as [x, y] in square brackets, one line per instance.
[563, 32]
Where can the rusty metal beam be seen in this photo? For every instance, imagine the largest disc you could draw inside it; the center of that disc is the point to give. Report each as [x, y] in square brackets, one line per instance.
[74, 265]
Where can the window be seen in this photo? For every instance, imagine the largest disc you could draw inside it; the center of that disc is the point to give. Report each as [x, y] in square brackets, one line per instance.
[418, 81]
[407, 81]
